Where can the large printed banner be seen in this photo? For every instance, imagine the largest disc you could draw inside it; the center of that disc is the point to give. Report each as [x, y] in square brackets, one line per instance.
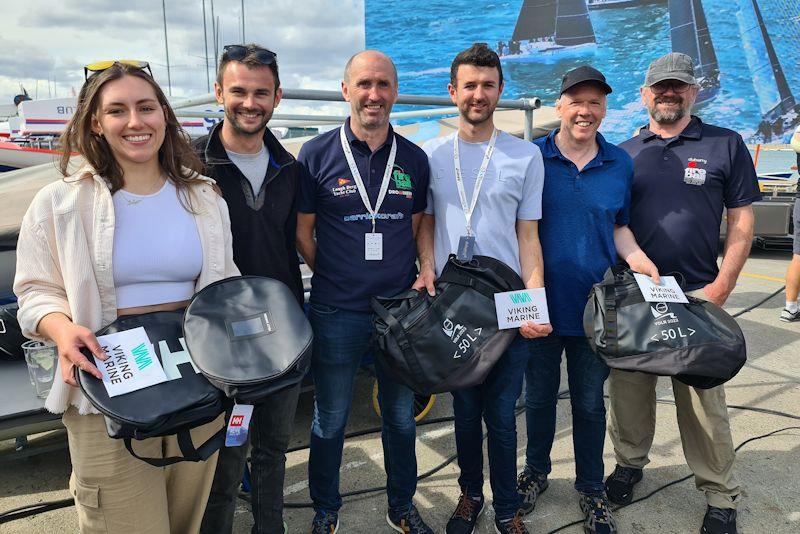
[746, 52]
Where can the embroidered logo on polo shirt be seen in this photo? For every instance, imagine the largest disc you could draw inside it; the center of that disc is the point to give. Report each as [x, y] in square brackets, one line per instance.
[408, 194]
[694, 175]
[345, 187]
[401, 179]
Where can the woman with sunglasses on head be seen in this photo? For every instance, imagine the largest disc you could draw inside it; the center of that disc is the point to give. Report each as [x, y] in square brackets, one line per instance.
[136, 229]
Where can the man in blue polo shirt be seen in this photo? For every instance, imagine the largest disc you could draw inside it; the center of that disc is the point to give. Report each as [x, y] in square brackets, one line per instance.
[364, 194]
[685, 172]
[585, 206]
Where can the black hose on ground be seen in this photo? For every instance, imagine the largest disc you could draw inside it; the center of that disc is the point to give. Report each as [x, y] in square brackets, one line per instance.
[35, 509]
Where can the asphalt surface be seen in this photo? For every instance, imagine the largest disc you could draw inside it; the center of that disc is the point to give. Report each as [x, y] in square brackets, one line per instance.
[768, 468]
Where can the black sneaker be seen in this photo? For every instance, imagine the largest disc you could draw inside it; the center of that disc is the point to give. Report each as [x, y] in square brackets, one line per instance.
[468, 510]
[620, 483]
[530, 485]
[325, 523]
[790, 317]
[407, 521]
[511, 526]
[597, 514]
[719, 521]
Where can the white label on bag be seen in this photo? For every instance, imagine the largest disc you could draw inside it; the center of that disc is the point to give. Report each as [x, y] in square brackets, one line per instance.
[515, 308]
[132, 363]
[667, 291]
[238, 425]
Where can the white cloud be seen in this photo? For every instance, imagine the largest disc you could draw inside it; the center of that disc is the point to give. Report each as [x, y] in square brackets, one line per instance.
[44, 40]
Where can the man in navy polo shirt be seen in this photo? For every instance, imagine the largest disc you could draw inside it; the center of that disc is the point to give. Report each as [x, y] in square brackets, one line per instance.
[685, 172]
[585, 206]
[364, 195]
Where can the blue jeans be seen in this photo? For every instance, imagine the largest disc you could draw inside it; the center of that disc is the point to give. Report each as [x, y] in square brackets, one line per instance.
[586, 375]
[341, 338]
[494, 401]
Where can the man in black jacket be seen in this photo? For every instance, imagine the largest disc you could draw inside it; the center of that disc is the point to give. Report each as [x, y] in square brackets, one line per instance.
[258, 179]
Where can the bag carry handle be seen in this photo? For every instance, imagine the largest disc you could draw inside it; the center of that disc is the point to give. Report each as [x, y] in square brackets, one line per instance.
[463, 280]
[190, 453]
[400, 335]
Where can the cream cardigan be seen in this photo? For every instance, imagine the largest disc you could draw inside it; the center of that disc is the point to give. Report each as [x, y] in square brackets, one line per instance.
[64, 256]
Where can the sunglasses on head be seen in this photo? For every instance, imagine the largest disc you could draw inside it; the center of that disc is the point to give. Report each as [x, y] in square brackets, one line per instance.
[100, 66]
[239, 52]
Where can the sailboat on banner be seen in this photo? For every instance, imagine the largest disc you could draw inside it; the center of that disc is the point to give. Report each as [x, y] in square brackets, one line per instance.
[550, 29]
[688, 31]
[779, 109]
[614, 4]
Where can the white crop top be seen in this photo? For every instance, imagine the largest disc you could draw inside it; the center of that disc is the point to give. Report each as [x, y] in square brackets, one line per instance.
[157, 253]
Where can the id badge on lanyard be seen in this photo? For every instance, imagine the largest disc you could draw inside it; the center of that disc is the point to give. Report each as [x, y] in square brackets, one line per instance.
[373, 241]
[466, 243]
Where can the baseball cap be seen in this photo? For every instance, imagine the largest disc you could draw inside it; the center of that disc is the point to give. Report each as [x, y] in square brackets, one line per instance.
[673, 66]
[582, 74]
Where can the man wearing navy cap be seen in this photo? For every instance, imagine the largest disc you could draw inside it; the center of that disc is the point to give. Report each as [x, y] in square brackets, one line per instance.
[364, 194]
[583, 231]
[685, 173]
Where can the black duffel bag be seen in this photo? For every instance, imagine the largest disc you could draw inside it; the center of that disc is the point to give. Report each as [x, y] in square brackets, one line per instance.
[698, 343]
[171, 407]
[249, 336]
[11, 338]
[450, 341]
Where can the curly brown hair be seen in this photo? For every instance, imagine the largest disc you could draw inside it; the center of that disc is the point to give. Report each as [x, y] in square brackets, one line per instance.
[176, 157]
[479, 55]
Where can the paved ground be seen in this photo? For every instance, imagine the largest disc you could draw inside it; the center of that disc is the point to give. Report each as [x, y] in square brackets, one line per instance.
[768, 468]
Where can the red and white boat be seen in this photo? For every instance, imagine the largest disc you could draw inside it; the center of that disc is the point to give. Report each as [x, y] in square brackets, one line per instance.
[14, 156]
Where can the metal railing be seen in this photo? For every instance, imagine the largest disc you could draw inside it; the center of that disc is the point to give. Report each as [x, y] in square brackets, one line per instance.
[444, 107]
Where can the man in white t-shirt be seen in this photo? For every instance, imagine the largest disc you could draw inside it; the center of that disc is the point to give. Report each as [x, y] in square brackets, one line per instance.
[490, 203]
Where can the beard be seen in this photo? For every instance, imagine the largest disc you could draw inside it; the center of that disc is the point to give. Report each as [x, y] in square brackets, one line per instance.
[477, 118]
[667, 117]
[230, 116]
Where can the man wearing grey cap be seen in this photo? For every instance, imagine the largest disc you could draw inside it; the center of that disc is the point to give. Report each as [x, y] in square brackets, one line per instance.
[583, 231]
[685, 173]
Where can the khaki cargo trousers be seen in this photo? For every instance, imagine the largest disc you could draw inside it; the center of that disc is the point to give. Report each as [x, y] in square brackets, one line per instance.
[703, 423]
[117, 493]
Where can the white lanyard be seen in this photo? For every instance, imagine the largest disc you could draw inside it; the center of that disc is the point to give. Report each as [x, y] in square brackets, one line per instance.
[462, 195]
[348, 153]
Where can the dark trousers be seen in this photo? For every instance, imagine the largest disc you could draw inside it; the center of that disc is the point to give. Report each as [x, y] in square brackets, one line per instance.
[586, 375]
[270, 431]
[494, 401]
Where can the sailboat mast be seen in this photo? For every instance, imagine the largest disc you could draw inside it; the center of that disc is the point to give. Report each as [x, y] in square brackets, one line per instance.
[166, 45]
[205, 42]
[787, 99]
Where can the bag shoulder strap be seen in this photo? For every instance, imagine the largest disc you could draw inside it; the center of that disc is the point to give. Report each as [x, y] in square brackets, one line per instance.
[611, 326]
[399, 334]
[189, 451]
